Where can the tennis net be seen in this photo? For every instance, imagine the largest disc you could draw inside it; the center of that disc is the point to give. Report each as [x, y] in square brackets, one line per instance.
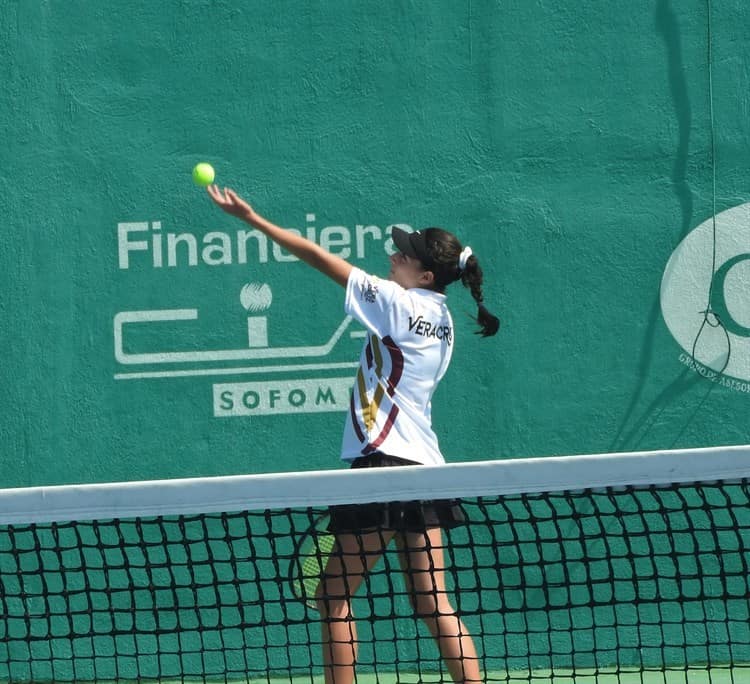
[617, 568]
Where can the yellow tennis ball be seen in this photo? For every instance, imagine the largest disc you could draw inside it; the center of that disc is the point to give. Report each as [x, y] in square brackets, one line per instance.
[203, 174]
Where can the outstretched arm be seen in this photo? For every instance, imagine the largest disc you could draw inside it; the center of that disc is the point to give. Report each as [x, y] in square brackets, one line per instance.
[308, 251]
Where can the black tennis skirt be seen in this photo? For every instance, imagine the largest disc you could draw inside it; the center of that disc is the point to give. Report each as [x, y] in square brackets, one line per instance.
[401, 516]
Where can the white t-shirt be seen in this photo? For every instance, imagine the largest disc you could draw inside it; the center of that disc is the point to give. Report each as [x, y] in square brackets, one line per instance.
[407, 351]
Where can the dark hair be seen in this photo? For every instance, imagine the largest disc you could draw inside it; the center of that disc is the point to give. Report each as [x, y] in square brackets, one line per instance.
[445, 249]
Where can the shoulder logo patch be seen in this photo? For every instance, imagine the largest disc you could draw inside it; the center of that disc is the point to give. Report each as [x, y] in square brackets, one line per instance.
[369, 291]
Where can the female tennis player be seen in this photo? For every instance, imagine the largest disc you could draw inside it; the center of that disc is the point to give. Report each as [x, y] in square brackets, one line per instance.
[406, 354]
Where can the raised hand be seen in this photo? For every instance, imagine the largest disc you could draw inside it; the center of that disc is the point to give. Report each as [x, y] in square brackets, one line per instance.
[230, 202]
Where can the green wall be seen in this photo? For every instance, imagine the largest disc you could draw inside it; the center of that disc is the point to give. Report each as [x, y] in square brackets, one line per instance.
[590, 152]
[569, 143]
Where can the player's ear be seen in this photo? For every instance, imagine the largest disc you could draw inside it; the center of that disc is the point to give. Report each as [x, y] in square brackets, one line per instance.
[426, 279]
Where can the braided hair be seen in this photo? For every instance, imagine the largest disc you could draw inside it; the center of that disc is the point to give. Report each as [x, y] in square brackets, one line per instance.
[445, 252]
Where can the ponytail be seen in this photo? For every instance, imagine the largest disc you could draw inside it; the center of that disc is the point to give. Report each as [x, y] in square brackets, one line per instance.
[471, 277]
[449, 263]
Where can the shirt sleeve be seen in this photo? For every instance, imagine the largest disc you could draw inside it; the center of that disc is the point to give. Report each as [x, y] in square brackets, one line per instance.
[371, 301]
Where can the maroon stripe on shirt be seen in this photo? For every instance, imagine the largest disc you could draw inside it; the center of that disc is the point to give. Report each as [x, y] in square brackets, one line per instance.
[372, 446]
[397, 370]
[397, 363]
[355, 420]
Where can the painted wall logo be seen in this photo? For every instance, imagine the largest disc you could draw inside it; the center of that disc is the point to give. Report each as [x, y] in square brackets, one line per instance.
[706, 303]
[303, 395]
[316, 375]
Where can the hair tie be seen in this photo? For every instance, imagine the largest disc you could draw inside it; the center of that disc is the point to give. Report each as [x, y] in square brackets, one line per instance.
[464, 257]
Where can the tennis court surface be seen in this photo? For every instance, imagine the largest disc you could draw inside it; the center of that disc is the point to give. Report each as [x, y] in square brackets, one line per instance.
[611, 569]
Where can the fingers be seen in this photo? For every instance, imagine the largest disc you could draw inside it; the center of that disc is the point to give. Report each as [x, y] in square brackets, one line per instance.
[228, 200]
[232, 195]
[215, 193]
[222, 199]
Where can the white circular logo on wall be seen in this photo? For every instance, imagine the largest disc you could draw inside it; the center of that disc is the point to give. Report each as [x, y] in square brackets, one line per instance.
[690, 287]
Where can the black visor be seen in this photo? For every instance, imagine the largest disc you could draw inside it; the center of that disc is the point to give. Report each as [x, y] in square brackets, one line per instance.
[413, 245]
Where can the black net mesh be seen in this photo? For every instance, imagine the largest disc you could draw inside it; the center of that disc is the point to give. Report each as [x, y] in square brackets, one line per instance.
[608, 585]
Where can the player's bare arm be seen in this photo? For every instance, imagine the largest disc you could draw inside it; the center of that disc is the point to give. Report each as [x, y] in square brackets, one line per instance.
[311, 253]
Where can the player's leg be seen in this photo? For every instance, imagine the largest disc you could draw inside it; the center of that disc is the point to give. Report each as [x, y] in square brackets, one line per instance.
[352, 558]
[423, 562]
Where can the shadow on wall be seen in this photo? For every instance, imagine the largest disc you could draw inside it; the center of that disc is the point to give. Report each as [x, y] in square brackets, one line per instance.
[634, 429]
